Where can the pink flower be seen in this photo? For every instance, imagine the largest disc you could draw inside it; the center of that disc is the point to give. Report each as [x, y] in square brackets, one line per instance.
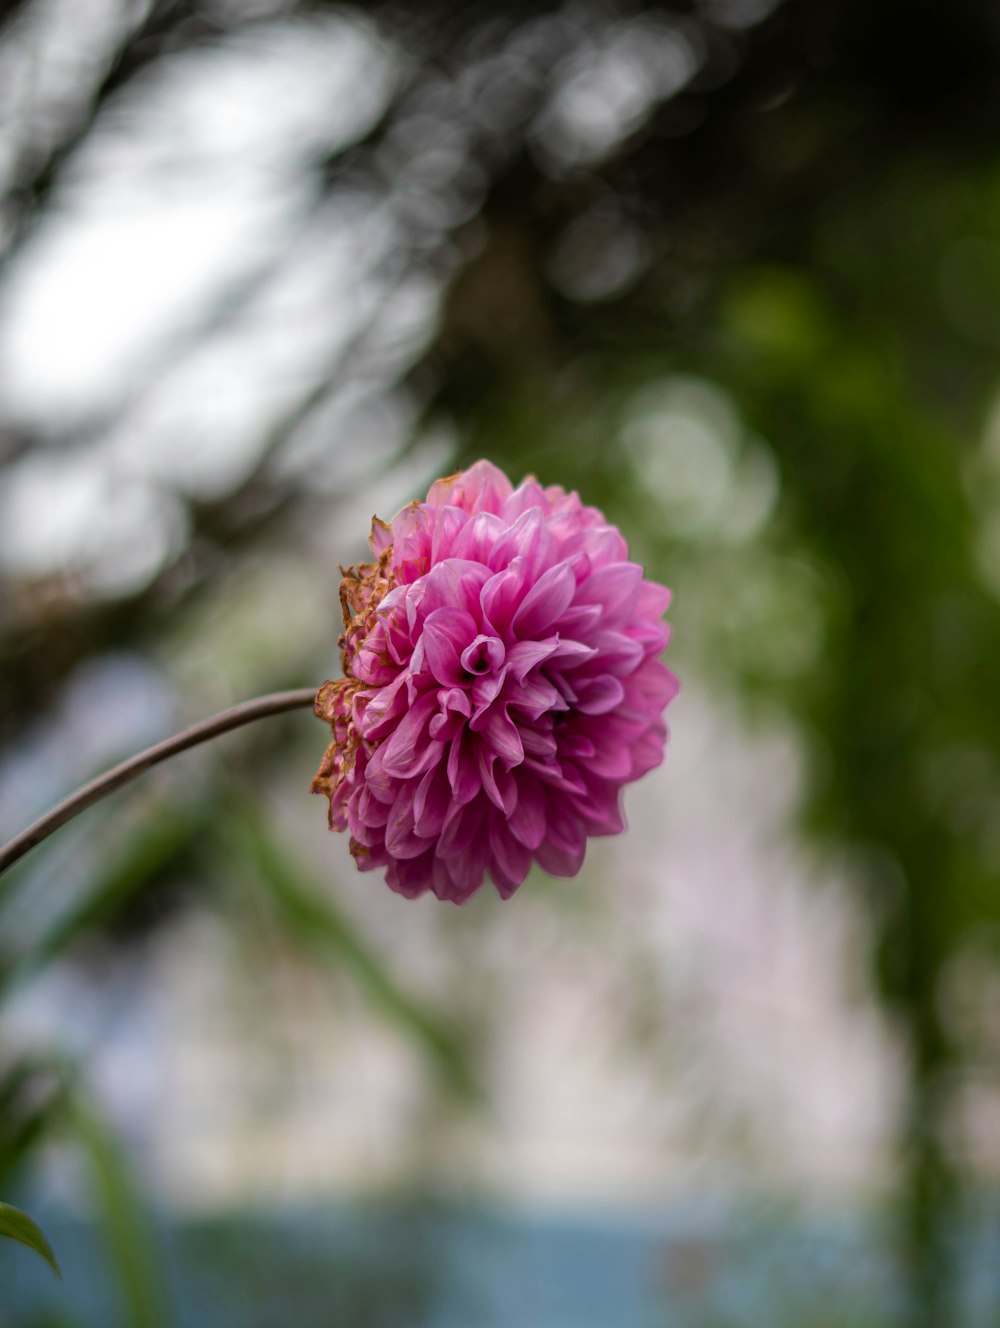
[501, 684]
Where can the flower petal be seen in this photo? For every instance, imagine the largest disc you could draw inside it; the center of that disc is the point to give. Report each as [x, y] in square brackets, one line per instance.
[523, 656]
[410, 750]
[596, 696]
[527, 821]
[502, 594]
[615, 588]
[401, 840]
[461, 829]
[431, 801]
[463, 768]
[550, 596]
[498, 732]
[481, 488]
[478, 536]
[447, 632]
[562, 851]
[527, 538]
[510, 861]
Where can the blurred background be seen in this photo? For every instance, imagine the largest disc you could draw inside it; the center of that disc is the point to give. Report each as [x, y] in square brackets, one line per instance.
[730, 268]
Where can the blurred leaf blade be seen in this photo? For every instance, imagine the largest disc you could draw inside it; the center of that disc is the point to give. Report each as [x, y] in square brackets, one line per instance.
[126, 1224]
[314, 921]
[17, 1225]
[156, 846]
[33, 1096]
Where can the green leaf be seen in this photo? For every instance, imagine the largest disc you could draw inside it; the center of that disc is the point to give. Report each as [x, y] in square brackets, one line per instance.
[32, 1100]
[126, 1220]
[155, 847]
[16, 1225]
[314, 921]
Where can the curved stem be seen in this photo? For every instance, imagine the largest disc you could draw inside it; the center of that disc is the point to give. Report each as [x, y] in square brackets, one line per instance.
[259, 708]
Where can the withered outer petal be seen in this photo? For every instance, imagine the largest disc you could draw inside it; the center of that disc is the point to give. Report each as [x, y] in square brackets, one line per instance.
[361, 591]
[333, 704]
[327, 697]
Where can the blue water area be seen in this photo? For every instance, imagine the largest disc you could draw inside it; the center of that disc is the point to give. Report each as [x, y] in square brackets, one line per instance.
[425, 1265]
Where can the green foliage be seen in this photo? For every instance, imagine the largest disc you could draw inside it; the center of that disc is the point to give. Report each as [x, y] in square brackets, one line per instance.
[124, 1220]
[156, 850]
[311, 918]
[33, 1093]
[15, 1225]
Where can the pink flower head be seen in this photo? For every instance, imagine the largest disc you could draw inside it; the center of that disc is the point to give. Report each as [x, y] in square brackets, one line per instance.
[501, 684]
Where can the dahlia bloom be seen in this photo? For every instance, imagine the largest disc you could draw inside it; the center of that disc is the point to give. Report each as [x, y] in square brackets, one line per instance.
[501, 684]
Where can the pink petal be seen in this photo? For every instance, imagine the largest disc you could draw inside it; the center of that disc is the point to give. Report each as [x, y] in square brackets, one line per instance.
[500, 734]
[617, 653]
[649, 690]
[385, 709]
[483, 655]
[498, 783]
[485, 691]
[615, 588]
[380, 538]
[536, 697]
[563, 777]
[463, 768]
[510, 860]
[411, 876]
[401, 840]
[478, 537]
[596, 696]
[455, 707]
[537, 742]
[527, 821]
[481, 488]
[431, 802]
[447, 527]
[367, 813]
[647, 751]
[447, 632]
[455, 583]
[575, 744]
[442, 884]
[652, 637]
[527, 538]
[381, 785]
[550, 596]
[571, 654]
[653, 600]
[411, 544]
[565, 843]
[528, 494]
[601, 808]
[604, 545]
[525, 655]
[580, 621]
[410, 750]
[467, 869]
[502, 594]
[461, 830]
[613, 750]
